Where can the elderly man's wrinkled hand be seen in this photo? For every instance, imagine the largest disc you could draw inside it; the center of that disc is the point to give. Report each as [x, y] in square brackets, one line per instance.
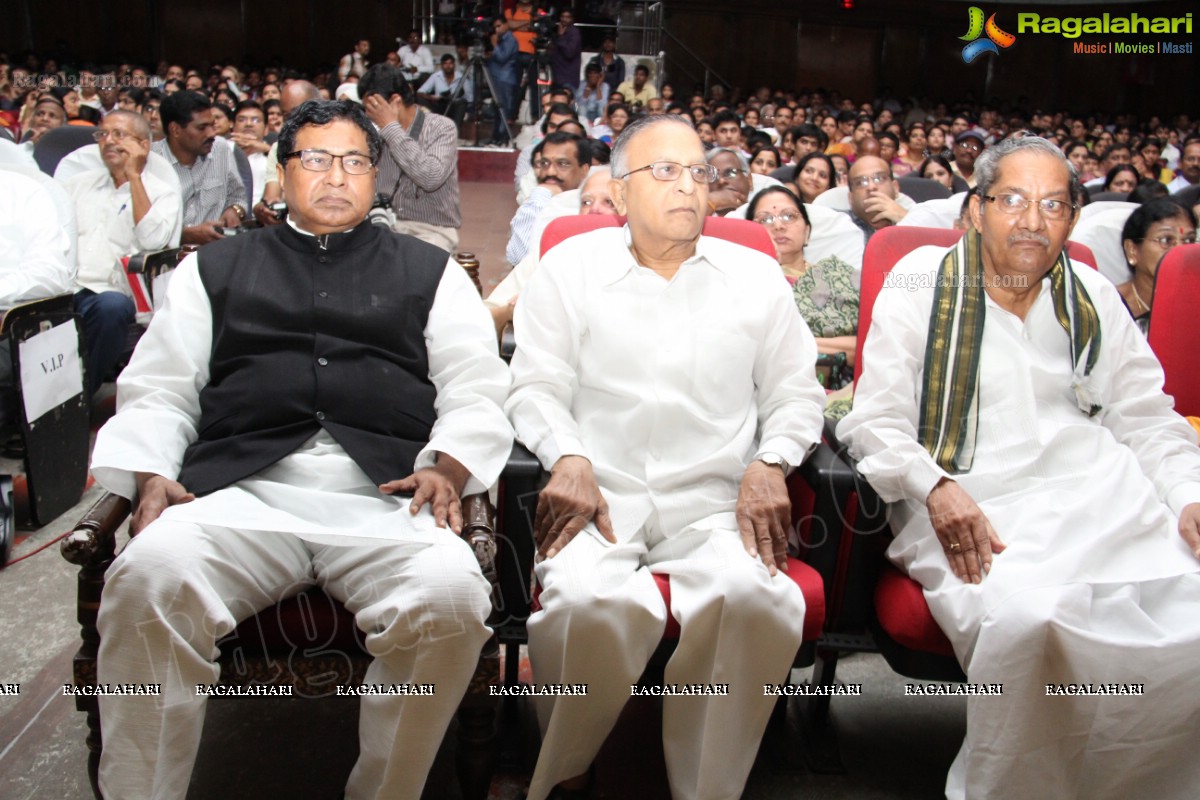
[764, 514]
[155, 495]
[569, 502]
[1189, 527]
[440, 485]
[966, 535]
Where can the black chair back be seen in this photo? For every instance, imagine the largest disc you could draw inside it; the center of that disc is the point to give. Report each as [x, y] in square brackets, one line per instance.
[56, 144]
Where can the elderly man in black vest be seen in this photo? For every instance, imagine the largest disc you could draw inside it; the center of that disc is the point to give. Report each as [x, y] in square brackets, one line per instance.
[301, 382]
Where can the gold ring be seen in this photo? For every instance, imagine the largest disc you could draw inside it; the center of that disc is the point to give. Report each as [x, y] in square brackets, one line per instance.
[954, 547]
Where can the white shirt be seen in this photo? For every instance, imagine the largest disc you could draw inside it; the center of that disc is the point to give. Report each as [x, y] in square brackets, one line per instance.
[35, 242]
[317, 492]
[1178, 184]
[421, 58]
[670, 388]
[107, 233]
[258, 166]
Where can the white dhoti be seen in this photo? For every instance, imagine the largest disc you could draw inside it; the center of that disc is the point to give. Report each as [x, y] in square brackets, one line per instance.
[188, 579]
[602, 617]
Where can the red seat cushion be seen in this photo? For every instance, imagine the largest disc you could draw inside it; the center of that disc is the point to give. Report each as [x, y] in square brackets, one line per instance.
[903, 613]
[311, 620]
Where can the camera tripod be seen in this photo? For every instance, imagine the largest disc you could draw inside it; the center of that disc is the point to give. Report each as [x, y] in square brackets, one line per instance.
[480, 76]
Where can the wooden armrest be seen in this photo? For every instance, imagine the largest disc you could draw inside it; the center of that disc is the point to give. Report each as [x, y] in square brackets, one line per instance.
[479, 531]
[95, 535]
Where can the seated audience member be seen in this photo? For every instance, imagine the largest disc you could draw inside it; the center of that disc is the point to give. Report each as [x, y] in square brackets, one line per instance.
[1149, 234]
[1150, 155]
[263, 472]
[151, 101]
[1147, 190]
[560, 162]
[418, 172]
[600, 153]
[937, 168]
[593, 93]
[686, 500]
[35, 263]
[557, 114]
[935, 143]
[733, 184]
[889, 151]
[1189, 167]
[1116, 155]
[1122, 178]
[1054, 519]
[812, 176]
[764, 160]
[249, 131]
[355, 62]
[708, 136]
[825, 292]
[727, 130]
[913, 154]
[638, 91]
[295, 94]
[967, 147]
[873, 196]
[130, 98]
[416, 60]
[275, 116]
[222, 120]
[120, 209]
[1076, 152]
[594, 198]
[48, 114]
[213, 194]
[656, 105]
[841, 169]
[609, 127]
[437, 90]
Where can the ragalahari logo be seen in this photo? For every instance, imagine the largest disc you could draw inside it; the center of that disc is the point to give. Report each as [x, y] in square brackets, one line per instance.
[996, 38]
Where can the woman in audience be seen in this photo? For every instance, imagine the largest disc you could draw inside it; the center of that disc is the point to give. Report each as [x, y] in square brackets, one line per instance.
[935, 143]
[1149, 234]
[841, 169]
[704, 129]
[814, 174]
[765, 160]
[222, 120]
[937, 168]
[1149, 161]
[913, 152]
[616, 117]
[751, 118]
[1121, 178]
[1076, 152]
[825, 292]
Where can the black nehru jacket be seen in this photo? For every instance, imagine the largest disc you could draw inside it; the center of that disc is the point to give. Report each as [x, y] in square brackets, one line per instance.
[312, 332]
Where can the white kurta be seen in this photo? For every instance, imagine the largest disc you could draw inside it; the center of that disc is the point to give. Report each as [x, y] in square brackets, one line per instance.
[1093, 583]
[670, 388]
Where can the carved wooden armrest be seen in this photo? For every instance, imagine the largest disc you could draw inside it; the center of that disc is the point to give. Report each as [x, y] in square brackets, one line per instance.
[95, 535]
[479, 531]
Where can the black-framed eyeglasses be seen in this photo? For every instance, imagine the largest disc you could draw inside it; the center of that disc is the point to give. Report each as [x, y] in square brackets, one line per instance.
[1014, 205]
[673, 171]
[320, 161]
[1166, 242]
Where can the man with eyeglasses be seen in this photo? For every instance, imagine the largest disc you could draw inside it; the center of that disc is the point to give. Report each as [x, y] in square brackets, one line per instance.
[874, 197]
[1043, 492]
[560, 163]
[967, 147]
[120, 209]
[733, 186]
[666, 380]
[308, 408]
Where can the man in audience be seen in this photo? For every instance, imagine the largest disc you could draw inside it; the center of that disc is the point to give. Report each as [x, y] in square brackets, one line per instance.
[120, 209]
[873, 193]
[355, 62]
[1115, 155]
[566, 50]
[594, 198]
[728, 129]
[560, 162]
[611, 64]
[639, 91]
[693, 487]
[236, 469]
[418, 172]
[295, 94]
[435, 92]
[733, 186]
[1044, 494]
[556, 115]
[1189, 167]
[249, 131]
[656, 105]
[48, 114]
[593, 93]
[967, 146]
[214, 199]
[416, 60]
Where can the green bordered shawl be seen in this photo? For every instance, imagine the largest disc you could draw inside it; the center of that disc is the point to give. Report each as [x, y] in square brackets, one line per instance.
[950, 387]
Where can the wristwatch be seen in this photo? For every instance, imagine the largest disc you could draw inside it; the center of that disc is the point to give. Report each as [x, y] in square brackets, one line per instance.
[776, 460]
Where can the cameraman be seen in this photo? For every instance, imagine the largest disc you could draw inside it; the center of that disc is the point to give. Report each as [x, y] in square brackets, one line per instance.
[502, 67]
[419, 168]
[566, 50]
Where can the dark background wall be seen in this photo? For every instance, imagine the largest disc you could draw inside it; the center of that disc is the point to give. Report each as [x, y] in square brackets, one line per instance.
[909, 46]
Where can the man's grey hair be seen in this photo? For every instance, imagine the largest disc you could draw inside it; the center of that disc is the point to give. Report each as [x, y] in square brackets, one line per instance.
[140, 126]
[987, 166]
[620, 159]
[742, 162]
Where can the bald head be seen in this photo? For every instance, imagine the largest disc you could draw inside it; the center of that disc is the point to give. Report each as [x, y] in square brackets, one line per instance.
[868, 146]
[137, 122]
[594, 194]
[296, 94]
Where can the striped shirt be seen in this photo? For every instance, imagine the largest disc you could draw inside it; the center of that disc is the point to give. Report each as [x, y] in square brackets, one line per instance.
[211, 185]
[420, 171]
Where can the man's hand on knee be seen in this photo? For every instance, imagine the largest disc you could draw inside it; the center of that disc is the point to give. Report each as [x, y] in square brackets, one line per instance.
[440, 485]
[1189, 527]
[764, 513]
[966, 535]
[155, 495]
[569, 502]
